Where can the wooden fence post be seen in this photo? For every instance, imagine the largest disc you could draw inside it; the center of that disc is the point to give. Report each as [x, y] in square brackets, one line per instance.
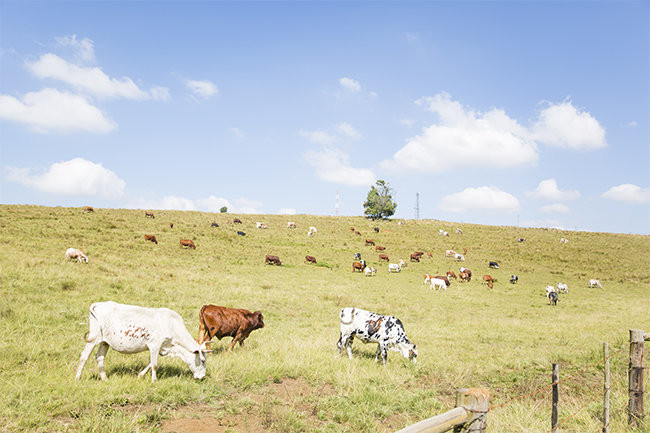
[474, 400]
[606, 389]
[555, 377]
[635, 376]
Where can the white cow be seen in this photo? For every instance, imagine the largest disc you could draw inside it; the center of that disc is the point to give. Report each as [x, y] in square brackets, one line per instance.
[369, 271]
[562, 288]
[437, 283]
[549, 289]
[459, 257]
[312, 231]
[261, 225]
[133, 329]
[459, 232]
[291, 225]
[394, 267]
[73, 253]
[594, 283]
[450, 253]
[564, 241]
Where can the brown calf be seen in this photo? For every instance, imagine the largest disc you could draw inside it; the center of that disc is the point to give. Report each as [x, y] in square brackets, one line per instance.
[370, 242]
[380, 248]
[151, 238]
[219, 322]
[415, 257]
[488, 279]
[452, 274]
[187, 243]
[149, 214]
[171, 225]
[272, 260]
[383, 257]
[236, 221]
[89, 209]
[310, 259]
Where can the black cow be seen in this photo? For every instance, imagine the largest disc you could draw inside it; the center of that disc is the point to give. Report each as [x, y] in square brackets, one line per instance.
[494, 265]
[240, 233]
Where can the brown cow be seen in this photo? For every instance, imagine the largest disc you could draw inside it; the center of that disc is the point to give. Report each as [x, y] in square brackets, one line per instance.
[488, 279]
[451, 274]
[310, 259]
[415, 257]
[383, 257]
[430, 255]
[376, 229]
[236, 221]
[171, 225]
[149, 214]
[272, 260]
[219, 322]
[352, 229]
[465, 276]
[151, 238]
[380, 248]
[89, 209]
[358, 233]
[357, 266]
[370, 242]
[187, 243]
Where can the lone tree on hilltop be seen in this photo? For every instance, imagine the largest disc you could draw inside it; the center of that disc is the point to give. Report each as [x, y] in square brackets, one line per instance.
[379, 204]
[223, 209]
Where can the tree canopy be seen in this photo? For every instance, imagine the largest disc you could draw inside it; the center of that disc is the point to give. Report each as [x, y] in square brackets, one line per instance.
[379, 204]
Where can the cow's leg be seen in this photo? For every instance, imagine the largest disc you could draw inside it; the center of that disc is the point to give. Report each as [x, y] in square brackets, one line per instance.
[377, 352]
[143, 372]
[384, 353]
[153, 361]
[348, 345]
[101, 354]
[341, 343]
[84, 357]
[235, 339]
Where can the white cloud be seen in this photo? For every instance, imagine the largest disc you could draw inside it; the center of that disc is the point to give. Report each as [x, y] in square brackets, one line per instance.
[562, 125]
[547, 189]
[213, 204]
[160, 93]
[629, 193]
[465, 138]
[488, 198]
[75, 177]
[202, 88]
[287, 211]
[332, 165]
[50, 110]
[317, 136]
[244, 205]
[88, 79]
[350, 84]
[209, 204]
[84, 49]
[555, 208]
[349, 131]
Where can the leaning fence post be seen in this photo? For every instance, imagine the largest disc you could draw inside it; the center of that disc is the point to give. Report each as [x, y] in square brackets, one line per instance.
[555, 377]
[475, 401]
[635, 376]
[606, 389]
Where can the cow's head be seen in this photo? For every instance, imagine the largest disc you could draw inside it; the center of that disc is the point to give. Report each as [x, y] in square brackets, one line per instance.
[258, 319]
[409, 350]
[198, 361]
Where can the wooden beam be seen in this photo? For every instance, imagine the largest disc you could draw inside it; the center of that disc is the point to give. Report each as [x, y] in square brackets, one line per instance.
[440, 423]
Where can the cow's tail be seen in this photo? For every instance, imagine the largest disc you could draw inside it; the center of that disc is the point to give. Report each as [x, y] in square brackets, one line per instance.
[203, 327]
[343, 319]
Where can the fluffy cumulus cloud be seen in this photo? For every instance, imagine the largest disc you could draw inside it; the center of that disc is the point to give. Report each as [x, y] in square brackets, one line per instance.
[213, 204]
[317, 136]
[629, 193]
[202, 88]
[350, 84]
[555, 208]
[75, 177]
[50, 110]
[332, 165]
[209, 204]
[482, 198]
[563, 125]
[548, 189]
[349, 131]
[84, 49]
[466, 137]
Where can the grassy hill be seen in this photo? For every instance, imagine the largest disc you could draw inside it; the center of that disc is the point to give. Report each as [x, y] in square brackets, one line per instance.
[287, 377]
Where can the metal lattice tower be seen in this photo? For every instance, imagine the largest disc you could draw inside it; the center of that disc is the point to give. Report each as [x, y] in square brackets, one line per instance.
[417, 205]
[336, 206]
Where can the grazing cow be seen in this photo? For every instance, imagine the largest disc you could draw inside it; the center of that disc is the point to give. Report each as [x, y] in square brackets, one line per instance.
[450, 253]
[443, 278]
[312, 229]
[171, 225]
[459, 232]
[380, 248]
[462, 269]
[151, 238]
[310, 259]
[387, 331]
[402, 263]
[357, 266]
[376, 229]
[219, 322]
[214, 225]
[429, 254]
[464, 276]
[369, 271]
[236, 221]
[552, 298]
[149, 214]
[352, 229]
[383, 257]
[459, 257]
[74, 253]
[394, 267]
[133, 329]
[261, 225]
[514, 279]
[89, 209]
[438, 283]
[521, 240]
[240, 233]
[562, 288]
[488, 278]
[187, 243]
[419, 253]
[452, 274]
[357, 256]
[415, 257]
[370, 242]
[291, 225]
[564, 241]
[272, 260]
[358, 233]
[493, 265]
[594, 283]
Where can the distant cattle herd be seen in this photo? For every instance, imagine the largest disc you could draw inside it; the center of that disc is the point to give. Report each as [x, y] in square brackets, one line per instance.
[162, 331]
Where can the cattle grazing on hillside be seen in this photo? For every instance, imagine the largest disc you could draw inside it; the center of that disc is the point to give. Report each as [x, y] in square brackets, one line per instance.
[171, 225]
[151, 238]
[562, 288]
[415, 257]
[369, 271]
[451, 274]
[357, 256]
[394, 267]
[148, 214]
[459, 232]
[214, 225]
[89, 209]
[441, 232]
[488, 278]
[236, 221]
[564, 241]
[240, 233]
[218, 322]
[521, 240]
[465, 277]
[310, 259]
[187, 243]
[352, 229]
[133, 329]
[311, 232]
[272, 260]
[553, 298]
[514, 279]
[260, 225]
[380, 248]
[459, 257]
[358, 233]
[383, 258]
[291, 225]
[357, 266]
[387, 331]
[376, 229]
[450, 253]
[429, 254]
[493, 265]
[370, 242]
[76, 254]
[594, 283]
[438, 283]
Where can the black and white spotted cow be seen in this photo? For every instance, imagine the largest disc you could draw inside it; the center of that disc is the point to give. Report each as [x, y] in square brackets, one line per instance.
[387, 331]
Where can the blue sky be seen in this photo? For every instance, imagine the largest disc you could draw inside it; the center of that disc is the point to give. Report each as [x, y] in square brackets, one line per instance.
[534, 113]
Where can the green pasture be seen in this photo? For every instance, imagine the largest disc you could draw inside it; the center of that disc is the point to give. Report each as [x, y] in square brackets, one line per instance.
[287, 377]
